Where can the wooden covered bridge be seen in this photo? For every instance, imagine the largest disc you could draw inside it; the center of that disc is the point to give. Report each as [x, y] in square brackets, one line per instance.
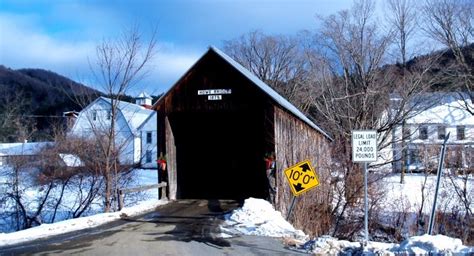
[217, 123]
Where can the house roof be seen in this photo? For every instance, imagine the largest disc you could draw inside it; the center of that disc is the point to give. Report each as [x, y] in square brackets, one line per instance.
[447, 108]
[144, 95]
[146, 120]
[277, 98]
[22, 149]
[135, 114]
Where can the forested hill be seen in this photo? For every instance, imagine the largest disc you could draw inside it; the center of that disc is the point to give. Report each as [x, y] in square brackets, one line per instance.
[444, 67]
[36, 98]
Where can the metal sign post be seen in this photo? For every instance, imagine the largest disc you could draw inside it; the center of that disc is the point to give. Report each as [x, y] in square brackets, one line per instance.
[364, 150]
[438, 179]
[366, 206]
[291, 208]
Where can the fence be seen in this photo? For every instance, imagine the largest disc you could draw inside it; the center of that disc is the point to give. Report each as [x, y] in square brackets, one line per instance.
[161, 186]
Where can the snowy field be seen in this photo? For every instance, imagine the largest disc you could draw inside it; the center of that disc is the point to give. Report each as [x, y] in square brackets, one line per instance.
[134, 205]
[32, 194]
[408, 196]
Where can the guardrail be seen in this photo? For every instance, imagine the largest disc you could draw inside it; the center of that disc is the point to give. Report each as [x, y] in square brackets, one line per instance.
[161, 186]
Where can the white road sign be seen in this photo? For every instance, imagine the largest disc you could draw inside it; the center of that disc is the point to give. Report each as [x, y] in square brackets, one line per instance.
[214, 91]
[364, 146]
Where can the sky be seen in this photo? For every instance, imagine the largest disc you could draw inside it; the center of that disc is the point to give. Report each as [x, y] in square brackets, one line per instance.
[62, 36]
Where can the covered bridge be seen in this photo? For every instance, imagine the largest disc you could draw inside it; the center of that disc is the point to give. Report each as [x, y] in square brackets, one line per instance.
[217, 123]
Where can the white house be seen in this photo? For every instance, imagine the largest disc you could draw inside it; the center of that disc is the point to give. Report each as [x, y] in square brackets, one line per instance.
[135, 130]
[424, 133]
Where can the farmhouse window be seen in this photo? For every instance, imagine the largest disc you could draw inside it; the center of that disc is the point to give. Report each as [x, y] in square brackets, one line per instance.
[148, 138]
[461, 132]
[406, 132]
[148, 156]
[414, 156]
[441, 132]
[423, 132]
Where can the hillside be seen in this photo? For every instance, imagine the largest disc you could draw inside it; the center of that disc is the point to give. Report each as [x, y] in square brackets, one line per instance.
[37, 96]
[443, 67]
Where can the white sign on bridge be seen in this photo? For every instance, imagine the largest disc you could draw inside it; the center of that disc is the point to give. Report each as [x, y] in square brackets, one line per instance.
[364, 146]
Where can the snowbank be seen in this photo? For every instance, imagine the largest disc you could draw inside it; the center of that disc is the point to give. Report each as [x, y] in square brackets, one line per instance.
[46, 230]
[437, 244]
[417, 245]
[257, 217]
[327, 245]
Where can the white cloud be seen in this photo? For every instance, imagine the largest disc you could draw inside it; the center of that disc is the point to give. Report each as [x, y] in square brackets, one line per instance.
[172, 62]
[25, 45]
[169, 64]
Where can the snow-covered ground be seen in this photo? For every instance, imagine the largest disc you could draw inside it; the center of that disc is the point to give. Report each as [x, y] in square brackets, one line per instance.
[417, 245]
[134, 205]
[143, 177]
[46, 230]
[257, 217]
[408, 196]
[33, 193]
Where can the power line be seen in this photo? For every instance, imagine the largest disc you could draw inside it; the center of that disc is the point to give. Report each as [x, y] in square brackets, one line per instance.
[34, 116]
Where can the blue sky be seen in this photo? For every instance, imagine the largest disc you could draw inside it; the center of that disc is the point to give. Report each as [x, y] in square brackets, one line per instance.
[62, 35]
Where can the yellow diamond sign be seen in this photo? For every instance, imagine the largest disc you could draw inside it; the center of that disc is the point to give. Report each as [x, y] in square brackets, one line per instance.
[301, 177]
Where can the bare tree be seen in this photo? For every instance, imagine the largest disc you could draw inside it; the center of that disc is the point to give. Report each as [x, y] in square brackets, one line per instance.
[25, 172]
[356, 90]
[346, 86]
[402, 17]
[277, 60]
[120, 64]
[461, 181]
[450, 23]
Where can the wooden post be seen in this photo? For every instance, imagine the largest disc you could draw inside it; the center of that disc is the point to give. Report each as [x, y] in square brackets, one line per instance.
[163, 190]
[120, 206]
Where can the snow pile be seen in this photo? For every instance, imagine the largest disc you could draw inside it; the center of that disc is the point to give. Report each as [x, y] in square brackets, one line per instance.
[437, 244]
[327, 245]
[417, 245]
[70, 225]
[257, 217]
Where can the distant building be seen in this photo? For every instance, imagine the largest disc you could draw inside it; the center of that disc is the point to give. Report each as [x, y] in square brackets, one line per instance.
[144, 100]
[70, 117]
[423, 134]
[27, 151]
[135, 128]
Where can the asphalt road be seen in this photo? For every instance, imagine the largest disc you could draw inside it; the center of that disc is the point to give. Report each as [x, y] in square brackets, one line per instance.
[186, 227]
